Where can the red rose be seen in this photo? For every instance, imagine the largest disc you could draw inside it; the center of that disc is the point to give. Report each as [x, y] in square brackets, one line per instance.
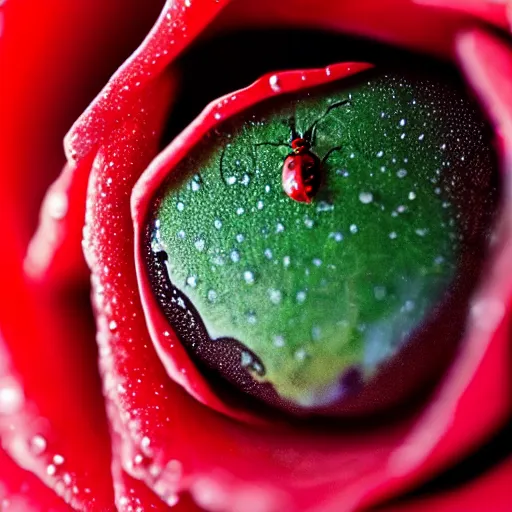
[149, 431]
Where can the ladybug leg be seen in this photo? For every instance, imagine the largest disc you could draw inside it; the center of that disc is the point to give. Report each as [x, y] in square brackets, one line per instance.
[329, 153]
[293, 128]
[275, 144]
[310, 133]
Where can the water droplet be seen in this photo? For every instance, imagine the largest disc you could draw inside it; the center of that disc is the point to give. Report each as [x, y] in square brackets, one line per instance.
[487, 312]
[366, 197]
[421, 137]
[245, 358]
[180, 206]
[217, 116]
[275, 296]
[286, 261]
[112, 325]
[181, 235]
[412, 196]
[218, 259]
[51, 470]
[301, 297]
[57, 205]
[338, 237]
[199, 245]
[380, 154]
[251, 318]
[402, 122]
[317, 262]
[192, 281]
[392, 235]
[274, 83]
[353, 228]
[279, 341]
[11, 396]
[308, 222]
[231, 180]
[300, 354]
[401, 173]
[58, 459]
[259, 205]
[316, 333]
[279, 228]
[379, 292]
[268, 254]
[240, 238]
[248, 277]
[217, 223]
[239, 211]
[409, 305]
[212, 295]
[37, 444]
[235, 256]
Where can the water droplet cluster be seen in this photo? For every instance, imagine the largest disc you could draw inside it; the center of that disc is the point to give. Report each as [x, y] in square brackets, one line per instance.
[316, 293]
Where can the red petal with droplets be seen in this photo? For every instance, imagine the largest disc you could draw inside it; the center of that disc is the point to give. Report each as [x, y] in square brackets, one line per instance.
[163, 439]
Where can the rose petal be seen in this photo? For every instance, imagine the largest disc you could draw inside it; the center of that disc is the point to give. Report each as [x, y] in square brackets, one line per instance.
[51, 410]
[35, 427]
[491, 491]
[492, 11]
[278, 470]
[55, 63]
[179, 23]
[487, 63]
[22, 491]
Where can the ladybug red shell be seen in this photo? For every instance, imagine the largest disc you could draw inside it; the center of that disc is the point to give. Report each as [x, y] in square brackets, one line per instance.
[301, 172]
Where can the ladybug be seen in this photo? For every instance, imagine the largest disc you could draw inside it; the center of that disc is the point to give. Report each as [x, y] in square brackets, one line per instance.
[301, 172]
[302, 169]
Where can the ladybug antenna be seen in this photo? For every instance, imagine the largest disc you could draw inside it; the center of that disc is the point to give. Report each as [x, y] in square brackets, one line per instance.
[310, 133]
[329, 153]
[293, 126]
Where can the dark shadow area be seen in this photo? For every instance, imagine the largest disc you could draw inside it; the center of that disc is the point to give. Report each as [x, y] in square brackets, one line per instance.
[244, 56]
